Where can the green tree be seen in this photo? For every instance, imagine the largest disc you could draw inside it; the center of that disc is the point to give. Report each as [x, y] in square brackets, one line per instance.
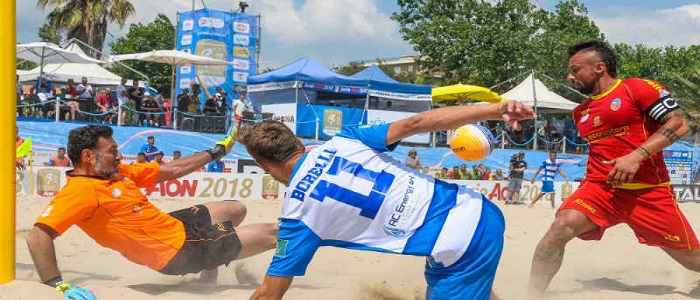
[87, 20]
[47, 33]
[351, 68]
[481, 43]
[159, 34]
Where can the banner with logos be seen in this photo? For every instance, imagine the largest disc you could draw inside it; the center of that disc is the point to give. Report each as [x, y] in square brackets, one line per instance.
[680, 166]
[331, 120]
[222, 35]
[48, 181]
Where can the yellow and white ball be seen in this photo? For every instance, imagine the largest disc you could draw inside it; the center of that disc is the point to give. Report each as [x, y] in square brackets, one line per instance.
[472, 142]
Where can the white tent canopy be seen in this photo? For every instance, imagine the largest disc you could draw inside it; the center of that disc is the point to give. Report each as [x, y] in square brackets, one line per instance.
[61, 72]
[547, 101]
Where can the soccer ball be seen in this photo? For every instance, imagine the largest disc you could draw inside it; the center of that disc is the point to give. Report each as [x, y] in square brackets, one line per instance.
[472, 142]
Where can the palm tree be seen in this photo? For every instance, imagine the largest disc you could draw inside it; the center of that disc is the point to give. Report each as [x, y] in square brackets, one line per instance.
[688, 94]
[87, 20]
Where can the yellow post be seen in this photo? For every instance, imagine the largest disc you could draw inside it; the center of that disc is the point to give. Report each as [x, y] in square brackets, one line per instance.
[7, 141]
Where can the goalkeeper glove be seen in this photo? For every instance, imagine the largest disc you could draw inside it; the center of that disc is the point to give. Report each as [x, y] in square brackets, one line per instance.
[224, 146]
[70, 291]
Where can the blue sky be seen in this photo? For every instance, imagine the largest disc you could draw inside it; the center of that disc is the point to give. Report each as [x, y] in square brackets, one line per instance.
[335, 32]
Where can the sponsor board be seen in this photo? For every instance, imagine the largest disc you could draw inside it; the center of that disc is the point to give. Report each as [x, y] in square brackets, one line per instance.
[196, 186]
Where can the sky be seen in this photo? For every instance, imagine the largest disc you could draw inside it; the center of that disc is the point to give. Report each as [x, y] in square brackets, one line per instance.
[336, 32]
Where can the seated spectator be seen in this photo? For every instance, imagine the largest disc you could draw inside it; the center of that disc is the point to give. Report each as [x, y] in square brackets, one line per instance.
[85, 90]
[43, 86]
[444, 173]
[498, 175]
[59, 160]
[463, 172]
[216, 166]
[140, 158]
[176, 155]
[151, 110]
[454, 174]
[486, 175]
[70, 94]
[159, 158]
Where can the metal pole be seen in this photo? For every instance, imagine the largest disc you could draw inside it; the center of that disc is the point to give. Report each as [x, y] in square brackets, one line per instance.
[534, 97]
[8, 152]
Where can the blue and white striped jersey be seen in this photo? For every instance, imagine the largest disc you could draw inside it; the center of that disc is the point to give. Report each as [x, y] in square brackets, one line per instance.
[550, 169]
[349, 193]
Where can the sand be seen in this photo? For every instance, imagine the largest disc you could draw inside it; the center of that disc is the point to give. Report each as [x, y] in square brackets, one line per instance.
[615, 268]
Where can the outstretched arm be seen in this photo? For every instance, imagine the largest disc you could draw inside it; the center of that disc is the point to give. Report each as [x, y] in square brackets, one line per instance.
[563, 175]
[452, 117]
[535, 176]
[272, 288]
[41, 247]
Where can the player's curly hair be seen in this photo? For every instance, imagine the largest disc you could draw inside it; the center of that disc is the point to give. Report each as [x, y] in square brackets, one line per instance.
[604, 51]
[270, 141]
[85, 137]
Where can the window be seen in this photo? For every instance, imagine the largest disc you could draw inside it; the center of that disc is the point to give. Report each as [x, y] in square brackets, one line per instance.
[397, 69]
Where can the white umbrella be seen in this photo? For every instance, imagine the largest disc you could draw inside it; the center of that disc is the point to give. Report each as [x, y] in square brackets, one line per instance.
[48, 53]
[173, 58]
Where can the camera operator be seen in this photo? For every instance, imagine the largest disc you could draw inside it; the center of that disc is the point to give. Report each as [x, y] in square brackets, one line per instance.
[515, 177]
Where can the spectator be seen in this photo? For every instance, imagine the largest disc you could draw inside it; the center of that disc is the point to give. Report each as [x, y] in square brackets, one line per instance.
[454, 174]
[210, 106]
[105, 103]
[176, 155]
[150, 110]
[486, 175]
[85, 90]
[475, 174]
[134, 103]
[517, 170]
[122, 98]
[498, 175]
[216, 166]
[70, 94]
[183, 102]
[150, 150]
[412, 160]
[20, 89]
[43, 86]
[59, 160]
[159, 158]
[195, 99]
[464, 172]
[238, 108]
[443, 173]
[140, 158]
[224, 94]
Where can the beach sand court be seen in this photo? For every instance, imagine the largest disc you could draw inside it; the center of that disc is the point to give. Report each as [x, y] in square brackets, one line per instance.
[618, 267]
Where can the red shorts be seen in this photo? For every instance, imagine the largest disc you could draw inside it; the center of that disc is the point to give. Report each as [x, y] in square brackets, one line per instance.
[652, 214]
[237, 118]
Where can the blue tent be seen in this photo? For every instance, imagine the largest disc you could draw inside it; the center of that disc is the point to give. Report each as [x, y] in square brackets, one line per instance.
[306, 70]
[378, 80]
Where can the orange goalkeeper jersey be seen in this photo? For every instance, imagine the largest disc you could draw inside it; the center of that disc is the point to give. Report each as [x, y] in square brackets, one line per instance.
[117, 215]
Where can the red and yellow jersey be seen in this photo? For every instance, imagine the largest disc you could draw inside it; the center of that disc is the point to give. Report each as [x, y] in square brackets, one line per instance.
[619, 121]
[117, 215]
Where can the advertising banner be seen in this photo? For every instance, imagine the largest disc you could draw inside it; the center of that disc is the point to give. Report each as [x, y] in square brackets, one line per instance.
[48, 181]
[680, 166]
[331, 119]
[222, 35]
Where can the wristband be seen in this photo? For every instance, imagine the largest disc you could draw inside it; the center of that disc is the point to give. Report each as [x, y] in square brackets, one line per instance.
[54, 282]
[216, 152]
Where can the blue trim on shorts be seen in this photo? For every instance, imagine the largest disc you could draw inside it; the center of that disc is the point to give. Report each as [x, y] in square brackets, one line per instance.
[471, 277]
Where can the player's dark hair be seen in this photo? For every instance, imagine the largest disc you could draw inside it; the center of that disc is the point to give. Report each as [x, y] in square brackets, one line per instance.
[270, 141]
[604, 51]
[83, 138]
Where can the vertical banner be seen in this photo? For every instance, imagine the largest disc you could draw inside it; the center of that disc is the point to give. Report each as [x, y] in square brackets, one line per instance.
[221, 35]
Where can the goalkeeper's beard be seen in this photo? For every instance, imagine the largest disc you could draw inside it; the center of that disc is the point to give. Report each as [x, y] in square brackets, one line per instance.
[108, 173]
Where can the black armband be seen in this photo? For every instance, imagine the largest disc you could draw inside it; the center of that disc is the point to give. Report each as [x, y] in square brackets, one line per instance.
[662, 107]
[54, 282]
